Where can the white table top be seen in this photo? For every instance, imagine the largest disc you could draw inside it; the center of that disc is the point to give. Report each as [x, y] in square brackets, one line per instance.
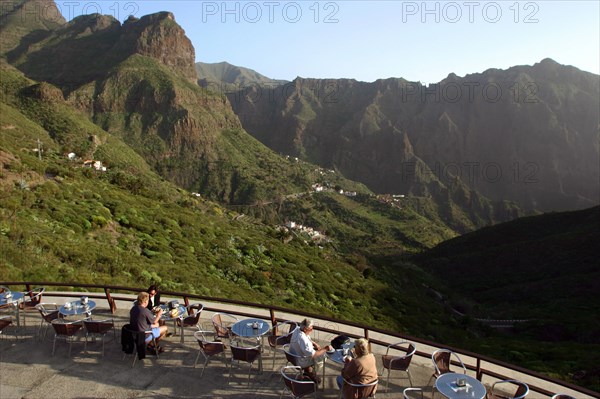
[446, 385]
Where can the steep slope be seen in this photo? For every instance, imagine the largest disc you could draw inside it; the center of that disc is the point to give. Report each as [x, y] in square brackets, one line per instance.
[62, 221]
[141, 86]
[344, 124]
[528, 134]
[25, 22]
[223, 74]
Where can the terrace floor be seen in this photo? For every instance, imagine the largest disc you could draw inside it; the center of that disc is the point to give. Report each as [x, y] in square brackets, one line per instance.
[28, 370]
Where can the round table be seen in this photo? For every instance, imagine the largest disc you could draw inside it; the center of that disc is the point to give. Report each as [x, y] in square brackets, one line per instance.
[446, 385]
[246, 328]
[14, 298]
[166, 316]
[76, 308]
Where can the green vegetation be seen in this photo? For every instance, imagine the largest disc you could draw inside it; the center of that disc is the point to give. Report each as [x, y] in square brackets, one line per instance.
[543, 269]
[62, 222]
[162, 137]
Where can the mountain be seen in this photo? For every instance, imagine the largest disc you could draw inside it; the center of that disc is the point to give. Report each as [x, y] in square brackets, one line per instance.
[141, 86]
[528, 134]
[231, 76]
[193, 202]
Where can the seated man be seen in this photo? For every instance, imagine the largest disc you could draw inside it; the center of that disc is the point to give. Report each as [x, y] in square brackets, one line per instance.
[302, 345]
[142, 319]
[361, 369]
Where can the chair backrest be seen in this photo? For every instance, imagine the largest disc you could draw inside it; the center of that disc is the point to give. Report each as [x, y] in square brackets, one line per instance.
[361, 390]
[399, 362]
[245, 354]
[297, 383]
[291, 357]
[279, 337]
[49, 311]
[221, 322]
[412, 393]
[442, 358]
[5, 321]
[35, 295]
[522, 388]
[210, 348]
[98, 326]
[66, 329]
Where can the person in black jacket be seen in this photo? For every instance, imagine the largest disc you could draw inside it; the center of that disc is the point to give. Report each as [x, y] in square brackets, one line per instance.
[154, 299]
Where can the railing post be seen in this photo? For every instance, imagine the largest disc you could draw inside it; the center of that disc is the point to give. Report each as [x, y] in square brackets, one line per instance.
[272, 313]
[111, 302]
[366, 331]
[478, 373]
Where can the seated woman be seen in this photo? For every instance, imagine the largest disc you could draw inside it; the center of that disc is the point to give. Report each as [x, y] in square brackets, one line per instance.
[142, 319]
[361, 369]
[302, 345]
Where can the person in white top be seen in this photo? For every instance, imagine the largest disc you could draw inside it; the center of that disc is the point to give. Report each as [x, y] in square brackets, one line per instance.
[302, 345]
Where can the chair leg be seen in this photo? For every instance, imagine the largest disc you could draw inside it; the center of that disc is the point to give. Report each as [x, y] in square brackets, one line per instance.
[53, 345]
[249, 371]
[387, 381]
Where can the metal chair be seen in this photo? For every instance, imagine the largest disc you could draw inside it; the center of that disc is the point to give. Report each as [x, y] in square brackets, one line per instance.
[191, 321]
[520, 393]
[292, 358]
[135, 337]
[5, 321]
[411, 393]
[65, 331]
[278, 340]
[30, 300]
[222, 323]
[98, 328]
[442, 359]
[208, 349]
[297, 385]
[49, 313]
[360, 391]
[246, 355]
[400, 363]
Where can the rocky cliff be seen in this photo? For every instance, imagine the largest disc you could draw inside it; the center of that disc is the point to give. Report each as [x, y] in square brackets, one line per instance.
[528, 134]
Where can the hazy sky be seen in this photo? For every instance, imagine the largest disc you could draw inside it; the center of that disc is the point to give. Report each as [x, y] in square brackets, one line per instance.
[368, 40]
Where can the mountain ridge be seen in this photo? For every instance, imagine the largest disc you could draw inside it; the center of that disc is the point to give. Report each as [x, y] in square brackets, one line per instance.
[490, 120]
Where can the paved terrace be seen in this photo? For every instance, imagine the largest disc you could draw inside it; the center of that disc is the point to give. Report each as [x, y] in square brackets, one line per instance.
[28, 369]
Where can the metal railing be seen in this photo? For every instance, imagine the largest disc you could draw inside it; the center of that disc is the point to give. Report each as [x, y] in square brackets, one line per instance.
[112, 294]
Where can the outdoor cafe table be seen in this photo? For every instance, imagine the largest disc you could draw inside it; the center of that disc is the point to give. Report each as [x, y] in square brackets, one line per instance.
[13, 299]
[77, 307]
[166, 316]
[446, 385]
[337, 356]
[246, 329]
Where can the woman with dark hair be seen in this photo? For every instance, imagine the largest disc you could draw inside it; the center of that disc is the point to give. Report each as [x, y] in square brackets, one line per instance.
[154, 297]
